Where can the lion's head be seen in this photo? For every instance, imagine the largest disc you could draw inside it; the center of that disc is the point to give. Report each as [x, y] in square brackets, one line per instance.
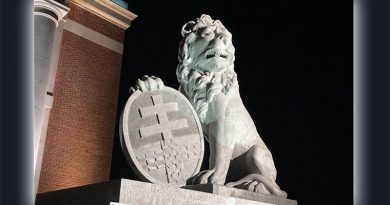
[206, 45]
[206, 62]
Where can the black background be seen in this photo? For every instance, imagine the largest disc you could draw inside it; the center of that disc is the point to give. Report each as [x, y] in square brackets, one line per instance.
[294, 62]
[316, 52]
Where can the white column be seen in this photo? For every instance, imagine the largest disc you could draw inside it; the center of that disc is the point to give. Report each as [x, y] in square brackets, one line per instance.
[48, 27]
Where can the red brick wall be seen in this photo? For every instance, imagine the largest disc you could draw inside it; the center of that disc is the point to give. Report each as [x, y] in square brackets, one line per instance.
[79, 140]
[95, 22]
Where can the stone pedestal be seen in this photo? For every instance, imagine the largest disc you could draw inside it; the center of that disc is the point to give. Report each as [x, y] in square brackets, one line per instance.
[126, 192]
[242, 194]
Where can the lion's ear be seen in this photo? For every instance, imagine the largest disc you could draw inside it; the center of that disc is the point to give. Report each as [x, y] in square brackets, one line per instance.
[187, 28]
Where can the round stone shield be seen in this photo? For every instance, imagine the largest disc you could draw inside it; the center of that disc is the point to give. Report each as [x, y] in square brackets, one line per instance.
[161, 136]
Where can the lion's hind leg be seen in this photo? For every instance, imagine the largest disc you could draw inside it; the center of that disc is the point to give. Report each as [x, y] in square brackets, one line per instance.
[261, 172]
[258, 183]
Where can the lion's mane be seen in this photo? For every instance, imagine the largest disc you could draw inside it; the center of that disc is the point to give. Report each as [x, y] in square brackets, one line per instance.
[200, 87]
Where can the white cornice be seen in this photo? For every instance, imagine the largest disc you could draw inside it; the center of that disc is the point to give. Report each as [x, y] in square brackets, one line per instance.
[58, 9]
[107, 10]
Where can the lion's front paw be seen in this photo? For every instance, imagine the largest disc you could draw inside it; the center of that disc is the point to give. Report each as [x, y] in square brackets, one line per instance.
[208, 177]
[147, 84]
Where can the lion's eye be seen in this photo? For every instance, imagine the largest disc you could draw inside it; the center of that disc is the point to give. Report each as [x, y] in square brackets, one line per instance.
[207, 34]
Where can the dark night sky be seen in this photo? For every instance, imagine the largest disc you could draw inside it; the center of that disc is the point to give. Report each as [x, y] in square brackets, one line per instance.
[295, 70]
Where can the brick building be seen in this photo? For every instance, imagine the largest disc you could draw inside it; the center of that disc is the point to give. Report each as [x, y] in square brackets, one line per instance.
[77, 60]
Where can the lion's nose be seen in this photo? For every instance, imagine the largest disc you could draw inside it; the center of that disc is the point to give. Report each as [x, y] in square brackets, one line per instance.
[220, 42]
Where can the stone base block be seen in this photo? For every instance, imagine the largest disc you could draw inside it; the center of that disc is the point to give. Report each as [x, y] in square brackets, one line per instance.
[240, 193]
[130, 192]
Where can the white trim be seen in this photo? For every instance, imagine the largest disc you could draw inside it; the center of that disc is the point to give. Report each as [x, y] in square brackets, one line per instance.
[54, 60]
[93, 36]
[47, 16]
[59, 9]
[44, 8]
[108, 11]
